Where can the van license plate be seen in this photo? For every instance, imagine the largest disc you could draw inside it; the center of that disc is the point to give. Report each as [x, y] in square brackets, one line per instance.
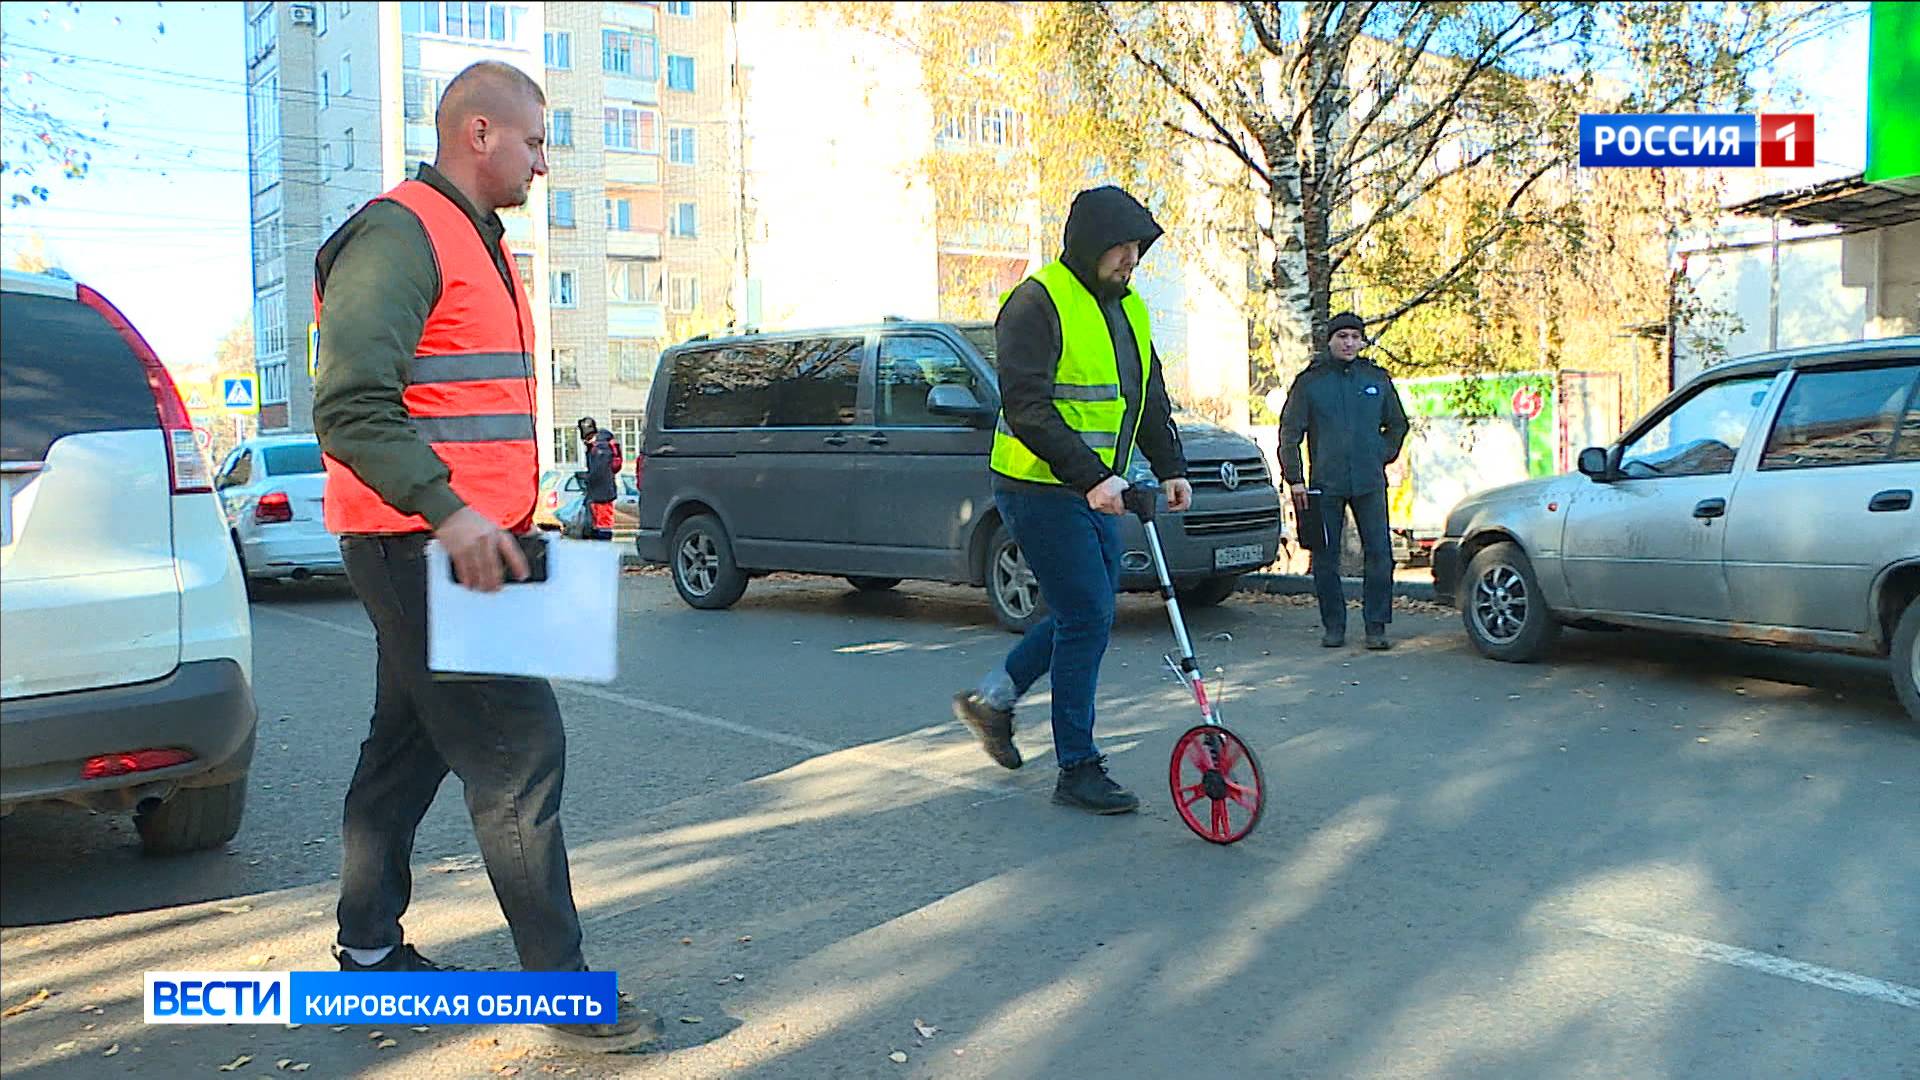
[1227, 558]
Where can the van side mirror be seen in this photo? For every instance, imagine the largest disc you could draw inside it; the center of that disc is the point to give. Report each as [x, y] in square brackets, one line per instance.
[1595, 466]
[953, 399]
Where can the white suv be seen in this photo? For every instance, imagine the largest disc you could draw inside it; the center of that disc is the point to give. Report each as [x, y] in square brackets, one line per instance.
[126, 646]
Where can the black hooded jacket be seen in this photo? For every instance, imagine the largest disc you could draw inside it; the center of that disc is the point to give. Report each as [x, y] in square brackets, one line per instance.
[1353, 423]
[1028, 340]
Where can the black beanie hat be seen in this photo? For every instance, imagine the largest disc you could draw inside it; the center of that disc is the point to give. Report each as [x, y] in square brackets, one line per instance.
[1346, 320]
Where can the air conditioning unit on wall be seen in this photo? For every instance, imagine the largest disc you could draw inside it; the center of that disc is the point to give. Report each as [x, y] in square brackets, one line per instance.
[302, 14]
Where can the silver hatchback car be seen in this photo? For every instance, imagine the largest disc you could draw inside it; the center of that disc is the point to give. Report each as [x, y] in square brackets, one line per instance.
[1769, 500]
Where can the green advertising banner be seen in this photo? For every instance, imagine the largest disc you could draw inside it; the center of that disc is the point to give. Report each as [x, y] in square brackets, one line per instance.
[1893, 95]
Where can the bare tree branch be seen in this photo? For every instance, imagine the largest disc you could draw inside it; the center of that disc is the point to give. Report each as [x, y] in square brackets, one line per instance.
[1467, 259]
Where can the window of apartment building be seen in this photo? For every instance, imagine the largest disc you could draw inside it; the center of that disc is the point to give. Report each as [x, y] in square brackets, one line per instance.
[270, 325]
[616, 52]
[266, 239]
[346, 151]
[560, 208]
[319, 19]
[684, 297]
[266, 170]
[420, 95]
[680, 73]
[632, 362]
[346, 75]
[681, 8]
[477, 22]
[273, 382]
[627, 427]
[566, 444]
[523, 265]
[344, 7]
[635, 130]
[559, 50]
[635, 281]
[263, 32]
[322, 93]
[326, 162]
[680, 145]
[685, 219]
[560, 127]
[560, 288]
[420, 18]
[566, 365]
[263, 110]
[619, 215]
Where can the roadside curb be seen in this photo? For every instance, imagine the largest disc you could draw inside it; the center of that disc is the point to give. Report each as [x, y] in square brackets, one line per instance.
[1273, 584]
[1302, 584]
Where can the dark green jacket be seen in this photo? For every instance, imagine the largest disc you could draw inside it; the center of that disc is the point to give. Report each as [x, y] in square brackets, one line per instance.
[378, 281]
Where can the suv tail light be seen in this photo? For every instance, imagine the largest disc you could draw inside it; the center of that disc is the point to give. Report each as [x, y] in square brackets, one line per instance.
[184, 462]
[104, 765]
[273, 507]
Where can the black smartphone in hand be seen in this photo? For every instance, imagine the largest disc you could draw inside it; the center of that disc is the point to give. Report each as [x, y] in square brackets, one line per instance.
[533, 547]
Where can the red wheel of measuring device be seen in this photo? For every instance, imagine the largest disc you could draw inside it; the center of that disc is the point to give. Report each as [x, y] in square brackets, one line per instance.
[1216, 785]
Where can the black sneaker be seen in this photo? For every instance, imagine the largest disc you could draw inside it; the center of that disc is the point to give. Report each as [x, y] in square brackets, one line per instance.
[401, 958]
[1377, 637]
[1333, 639]
[1088, 787]
[993, 727]
[629, 1028]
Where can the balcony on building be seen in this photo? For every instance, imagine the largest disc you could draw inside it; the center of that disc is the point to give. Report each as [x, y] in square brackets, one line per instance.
[634, 320]
[633, 245]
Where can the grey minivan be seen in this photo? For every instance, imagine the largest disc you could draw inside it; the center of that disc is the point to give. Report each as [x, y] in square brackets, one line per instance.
[861, 452]
[1770, 499]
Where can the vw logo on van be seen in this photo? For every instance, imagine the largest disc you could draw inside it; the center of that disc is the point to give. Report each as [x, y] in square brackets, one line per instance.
[1229, 476]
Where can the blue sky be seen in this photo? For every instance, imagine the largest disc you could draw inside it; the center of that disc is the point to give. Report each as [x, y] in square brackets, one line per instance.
[160, 224]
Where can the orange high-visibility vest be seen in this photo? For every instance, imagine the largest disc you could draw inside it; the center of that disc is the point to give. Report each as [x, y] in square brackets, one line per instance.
[470, 389]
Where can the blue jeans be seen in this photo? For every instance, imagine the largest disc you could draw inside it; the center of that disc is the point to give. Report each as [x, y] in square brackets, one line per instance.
[1074, 552]
[1370, 516]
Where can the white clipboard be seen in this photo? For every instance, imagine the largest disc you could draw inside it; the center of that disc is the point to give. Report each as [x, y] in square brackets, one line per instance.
[566, 627]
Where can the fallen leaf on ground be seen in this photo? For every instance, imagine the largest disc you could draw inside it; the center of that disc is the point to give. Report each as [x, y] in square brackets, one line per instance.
[300, 1066]
[385, 1044]
[340, 1027]
[423, 1029]
[926, 1030]
[376, 1035]
[283, 1063]
[897, 1058]
[686, 941]
[508, 1070]
[31, 1003]
[236, 1063]
[65, 1046]
[746, 938]
[94, 1009]
[236, 909]
[111, 1050]
[693, 1019]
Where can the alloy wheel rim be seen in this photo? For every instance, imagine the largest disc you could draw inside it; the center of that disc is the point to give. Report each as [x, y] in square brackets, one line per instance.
[699, 564]
[1014, 582]
[1500, 604]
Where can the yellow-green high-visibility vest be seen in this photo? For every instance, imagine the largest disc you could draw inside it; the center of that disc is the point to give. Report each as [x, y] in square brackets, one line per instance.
[1086, 384]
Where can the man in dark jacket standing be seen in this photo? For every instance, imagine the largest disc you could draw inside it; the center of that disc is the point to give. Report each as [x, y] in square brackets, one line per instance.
[602, 453]
[1080, 388]
[1347, 409]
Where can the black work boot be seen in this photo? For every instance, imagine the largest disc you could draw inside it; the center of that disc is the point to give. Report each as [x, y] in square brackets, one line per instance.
[630, 1027]
[993, 727]
[1333, 639]
[1377, 637]
[1088, 787]
[400, 958]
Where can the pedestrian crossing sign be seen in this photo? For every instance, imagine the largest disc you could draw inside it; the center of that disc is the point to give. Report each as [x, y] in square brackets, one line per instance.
[237, 395]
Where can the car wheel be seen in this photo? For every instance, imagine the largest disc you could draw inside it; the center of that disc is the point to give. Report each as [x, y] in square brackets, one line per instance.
[703, 568]
[254, 587]
[1500, 601]
[1906, 659]
[194, 819]
[1012, 590]
[1207, 592]
[873, 584]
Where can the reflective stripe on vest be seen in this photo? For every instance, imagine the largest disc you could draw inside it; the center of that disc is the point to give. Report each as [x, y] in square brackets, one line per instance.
[469, 387]
[1086, 387]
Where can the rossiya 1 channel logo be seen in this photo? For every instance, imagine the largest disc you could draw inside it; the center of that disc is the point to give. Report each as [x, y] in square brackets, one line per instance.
[1670, 140]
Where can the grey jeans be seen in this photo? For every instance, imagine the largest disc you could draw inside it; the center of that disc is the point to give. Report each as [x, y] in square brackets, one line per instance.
[502, 737]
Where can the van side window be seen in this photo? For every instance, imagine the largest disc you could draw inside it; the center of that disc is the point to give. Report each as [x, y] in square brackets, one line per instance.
[1847, 418]
[809, 383]
[821, 386]
[911, 365]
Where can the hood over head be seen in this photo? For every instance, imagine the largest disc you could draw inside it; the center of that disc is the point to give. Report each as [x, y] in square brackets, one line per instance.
[1100, 218]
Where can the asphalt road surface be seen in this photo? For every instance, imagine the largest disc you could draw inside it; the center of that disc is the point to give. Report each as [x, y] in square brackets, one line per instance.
[1647, 858]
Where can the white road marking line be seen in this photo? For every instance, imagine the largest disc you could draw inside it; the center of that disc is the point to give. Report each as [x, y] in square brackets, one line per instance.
[671, 712]
[1700, 948]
